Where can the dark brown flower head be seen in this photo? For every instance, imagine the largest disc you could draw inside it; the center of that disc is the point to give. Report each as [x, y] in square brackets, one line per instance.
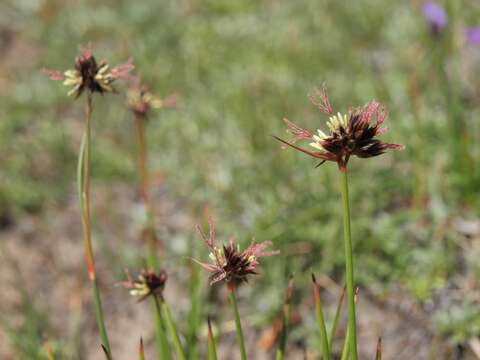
[348, 135]
[140, 101]
[228, 263]
[90, 75]
[148, 283]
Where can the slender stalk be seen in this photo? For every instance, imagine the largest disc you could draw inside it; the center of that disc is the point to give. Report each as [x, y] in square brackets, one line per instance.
[212, 348]
[152, 260]
[150, 238]
[151, 253]
[172, 330]
[238, 324]
[83, 179]
[163, 347]
[286, 316]
[352, 326]
[142, 159]
[320, 320]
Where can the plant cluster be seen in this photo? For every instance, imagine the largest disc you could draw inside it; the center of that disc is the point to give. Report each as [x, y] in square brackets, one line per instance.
[352, 134]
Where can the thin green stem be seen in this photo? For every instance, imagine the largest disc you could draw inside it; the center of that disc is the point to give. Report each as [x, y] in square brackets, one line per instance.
[172, 330]
[238, 324]
[212, 347]
[352, 326]
[83, 179]
[161, 339]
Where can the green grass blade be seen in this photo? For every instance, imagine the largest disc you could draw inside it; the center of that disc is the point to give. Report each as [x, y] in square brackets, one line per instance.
[106, 352]
[194, 315]
[212, 347]
[320, 320]
[346, 349]
[99, 316]
[286, 316]
[333, 331]
[141, 351]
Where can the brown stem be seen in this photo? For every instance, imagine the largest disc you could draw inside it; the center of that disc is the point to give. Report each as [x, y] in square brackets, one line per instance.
[84, 187]
[86, 191]
[142, 160]
[149, 232]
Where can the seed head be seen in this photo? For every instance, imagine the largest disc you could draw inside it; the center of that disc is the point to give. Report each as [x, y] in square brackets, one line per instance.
[90, 75]
[140, 100]
[348, 134]
[147, 283]
[228, 263]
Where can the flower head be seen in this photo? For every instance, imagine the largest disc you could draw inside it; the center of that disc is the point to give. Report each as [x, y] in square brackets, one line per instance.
[140, 101]
[90, 75]
[228, 263]
[473, 35]
[148, 283]
[348, 134]
[435, 15]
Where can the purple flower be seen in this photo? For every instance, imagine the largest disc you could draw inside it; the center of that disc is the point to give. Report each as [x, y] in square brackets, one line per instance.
[473, 35]
[435, 16]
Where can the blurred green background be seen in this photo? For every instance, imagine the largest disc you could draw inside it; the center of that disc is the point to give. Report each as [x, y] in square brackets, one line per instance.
[238, 68]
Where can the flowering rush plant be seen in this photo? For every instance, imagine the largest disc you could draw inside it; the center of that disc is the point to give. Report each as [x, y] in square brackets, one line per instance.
[89, 75]
[148, 283]
[233, 266]
[92, 77]
[140, 100]
[229, 263]
[351, 134]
